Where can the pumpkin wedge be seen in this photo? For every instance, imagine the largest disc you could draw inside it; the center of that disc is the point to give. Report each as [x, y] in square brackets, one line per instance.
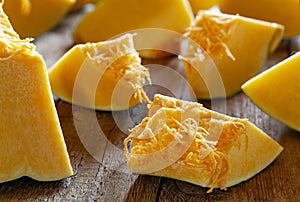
[285, 12]
[31, 140]
[30, 18]
[115, 17]
[228, 43]
[106, 75]
[276, 91]
[185, 141]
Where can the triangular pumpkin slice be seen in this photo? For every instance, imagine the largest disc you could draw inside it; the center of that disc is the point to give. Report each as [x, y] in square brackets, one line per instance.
[107, 75]
[276, 91]
[185, 141]
[31, 140]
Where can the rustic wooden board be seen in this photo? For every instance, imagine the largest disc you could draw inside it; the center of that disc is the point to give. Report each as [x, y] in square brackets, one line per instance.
[103, 175]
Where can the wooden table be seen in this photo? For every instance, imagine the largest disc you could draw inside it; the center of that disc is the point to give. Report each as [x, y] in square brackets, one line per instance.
[106, 177]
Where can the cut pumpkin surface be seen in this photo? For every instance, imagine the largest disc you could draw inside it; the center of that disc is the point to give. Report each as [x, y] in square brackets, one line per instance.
[31, 140]
[30, 18]
[185, 141]
[285, 12]
[115, 17]
[230, 45]
[276, 91]
[106, 75]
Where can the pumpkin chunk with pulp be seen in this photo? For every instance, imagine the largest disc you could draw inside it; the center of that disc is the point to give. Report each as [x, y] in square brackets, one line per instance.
[105, 75]
[185, 141]
[229, 51]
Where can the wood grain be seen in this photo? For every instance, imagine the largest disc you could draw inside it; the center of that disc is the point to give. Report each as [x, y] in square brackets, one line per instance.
[101, 173]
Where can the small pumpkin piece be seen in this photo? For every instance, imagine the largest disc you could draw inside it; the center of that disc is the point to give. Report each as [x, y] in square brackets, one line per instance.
[31, 18]
[31, 139]
[185, 141]
[106, 75]
[230, 42]
[276, 91]
[285, 12]
[115, 17]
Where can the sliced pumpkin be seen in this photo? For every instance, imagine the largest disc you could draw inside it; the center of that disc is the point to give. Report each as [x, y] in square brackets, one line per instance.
[30, 18]
[282, 12]
[276, 91]
[228, 44]
[185, 141]
[31, 139]
[114, 17]
[106, 75]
